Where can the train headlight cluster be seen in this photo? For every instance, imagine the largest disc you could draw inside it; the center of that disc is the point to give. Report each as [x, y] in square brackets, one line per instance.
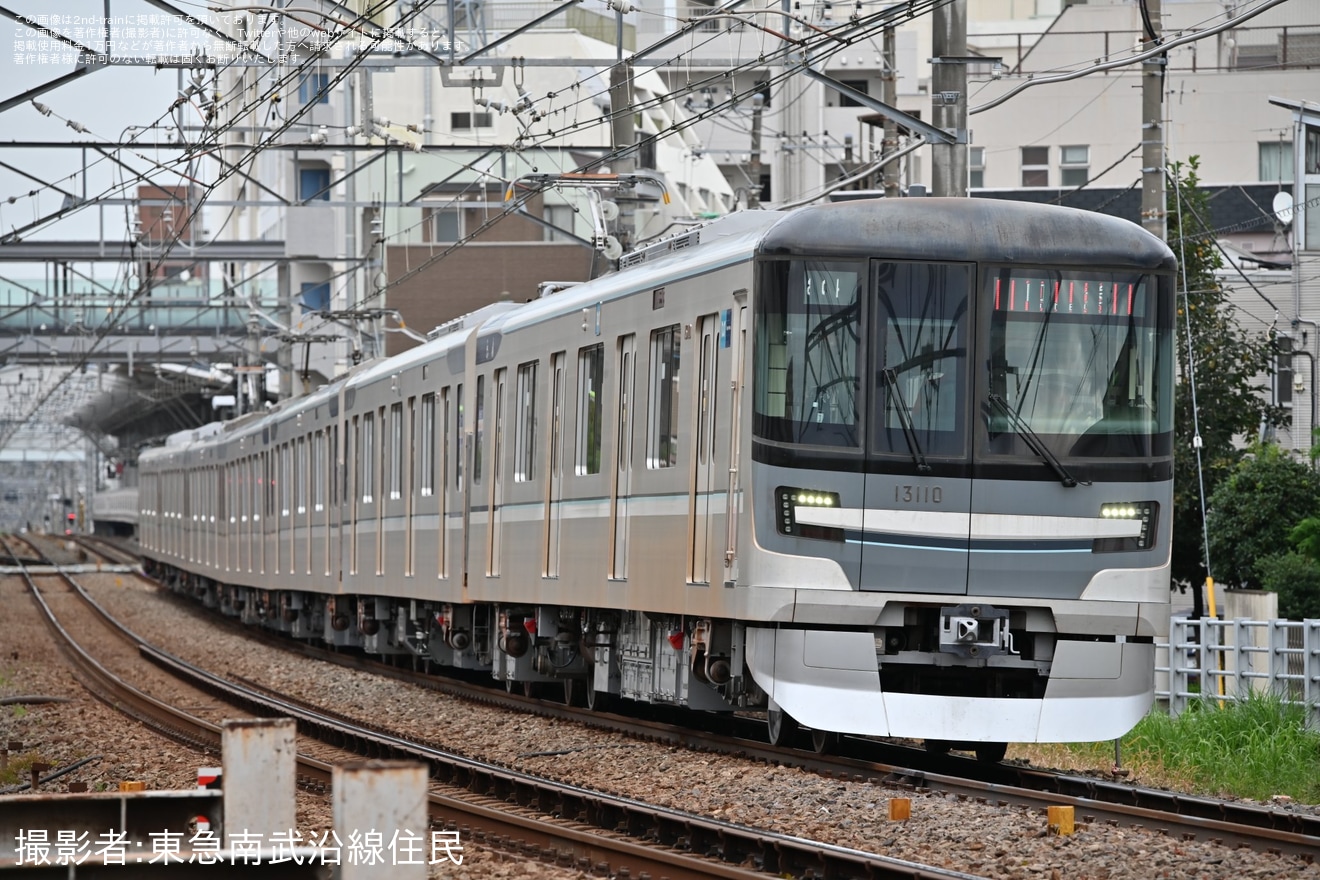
[788, 500]
[1143, 512]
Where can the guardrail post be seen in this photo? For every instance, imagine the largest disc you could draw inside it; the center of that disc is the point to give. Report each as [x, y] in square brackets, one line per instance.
[1311, 667]
[386, 798]
[260, 759]
[1280, 684]
[1179, 683]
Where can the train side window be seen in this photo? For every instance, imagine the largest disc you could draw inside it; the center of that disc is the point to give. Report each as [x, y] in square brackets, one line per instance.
[662, 419]
[524, 439]
[366, 469]
[591, 367]
[396, 451]
[427, 472]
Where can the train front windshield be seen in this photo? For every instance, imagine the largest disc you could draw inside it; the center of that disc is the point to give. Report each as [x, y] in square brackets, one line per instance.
[1003, 362]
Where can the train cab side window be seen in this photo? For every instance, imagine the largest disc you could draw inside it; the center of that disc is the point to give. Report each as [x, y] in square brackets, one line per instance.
[524, 427]
[662, 419]
[591, 366]
[807, 355]
[427, 472]
[396, 451]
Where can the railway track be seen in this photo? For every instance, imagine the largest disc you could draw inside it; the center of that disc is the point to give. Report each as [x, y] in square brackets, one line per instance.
[498, 807]
[1180, 816]
[1097, 800]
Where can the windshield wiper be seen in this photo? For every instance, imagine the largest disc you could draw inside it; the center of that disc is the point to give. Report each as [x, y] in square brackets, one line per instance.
[1033, 440]
[905, 419]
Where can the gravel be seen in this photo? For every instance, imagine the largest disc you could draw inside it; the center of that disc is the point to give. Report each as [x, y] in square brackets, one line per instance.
[990, 841]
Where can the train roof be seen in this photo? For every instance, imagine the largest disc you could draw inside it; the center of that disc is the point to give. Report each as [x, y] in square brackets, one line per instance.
[980, 230]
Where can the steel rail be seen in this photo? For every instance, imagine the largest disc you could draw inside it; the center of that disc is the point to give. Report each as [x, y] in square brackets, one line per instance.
[555, 821]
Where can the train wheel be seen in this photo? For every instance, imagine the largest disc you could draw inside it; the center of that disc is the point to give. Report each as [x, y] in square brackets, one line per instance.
[509, 685]
[825, 742]
[597, 701]
[529, 689]
[573, 691]
[991, 753]
[781, 727]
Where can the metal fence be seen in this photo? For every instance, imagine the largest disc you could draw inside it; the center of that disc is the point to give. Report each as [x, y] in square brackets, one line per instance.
[1229, 659]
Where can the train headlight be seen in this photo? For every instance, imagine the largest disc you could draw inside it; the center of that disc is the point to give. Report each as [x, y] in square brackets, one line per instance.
[793, 517]
[1146, 513]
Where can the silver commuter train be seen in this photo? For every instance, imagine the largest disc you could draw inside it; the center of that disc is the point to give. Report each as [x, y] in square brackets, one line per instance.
[888, 467]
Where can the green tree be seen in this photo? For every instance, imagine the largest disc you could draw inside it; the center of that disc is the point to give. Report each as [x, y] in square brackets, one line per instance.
[1228, 362]
[1296, 578]
[1254, 511]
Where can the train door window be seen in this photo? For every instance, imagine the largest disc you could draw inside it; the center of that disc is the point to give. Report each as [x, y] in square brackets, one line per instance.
[427, 471]
[591, 367]
[920, 351]
[286, 480]
[458, 437]
[396, 451]
[524, 428]
[366, 462]
[478, 440]
[662, 418]
[497, 473]
[318, 471]
[300, 465]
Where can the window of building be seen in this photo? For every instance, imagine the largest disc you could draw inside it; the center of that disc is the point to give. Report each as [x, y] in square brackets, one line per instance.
[445, 224]
[976, 167]
[314, 88]
[591, 366]
[524, 426]
[662, 437]
[1276, 161]
[314, 183]
[465, 121]
[314, 297]
[1074, 165]
[1035, 166]
[560, 216]
[857, 85]
[1283, 371]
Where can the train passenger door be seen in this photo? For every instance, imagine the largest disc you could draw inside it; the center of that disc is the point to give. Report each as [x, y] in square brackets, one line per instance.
[733, 495]
[623, 459]
[554, 467]
[916, 522]
[703, 472]
[496, 536]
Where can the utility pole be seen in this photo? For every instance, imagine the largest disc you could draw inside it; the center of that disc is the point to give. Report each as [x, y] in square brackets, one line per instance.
[1153, 207]
[624, 141]
[949, 97]
[889, 94]
[754, 191]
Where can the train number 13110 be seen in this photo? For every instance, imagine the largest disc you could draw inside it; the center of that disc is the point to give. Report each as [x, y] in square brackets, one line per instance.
[919, 494]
